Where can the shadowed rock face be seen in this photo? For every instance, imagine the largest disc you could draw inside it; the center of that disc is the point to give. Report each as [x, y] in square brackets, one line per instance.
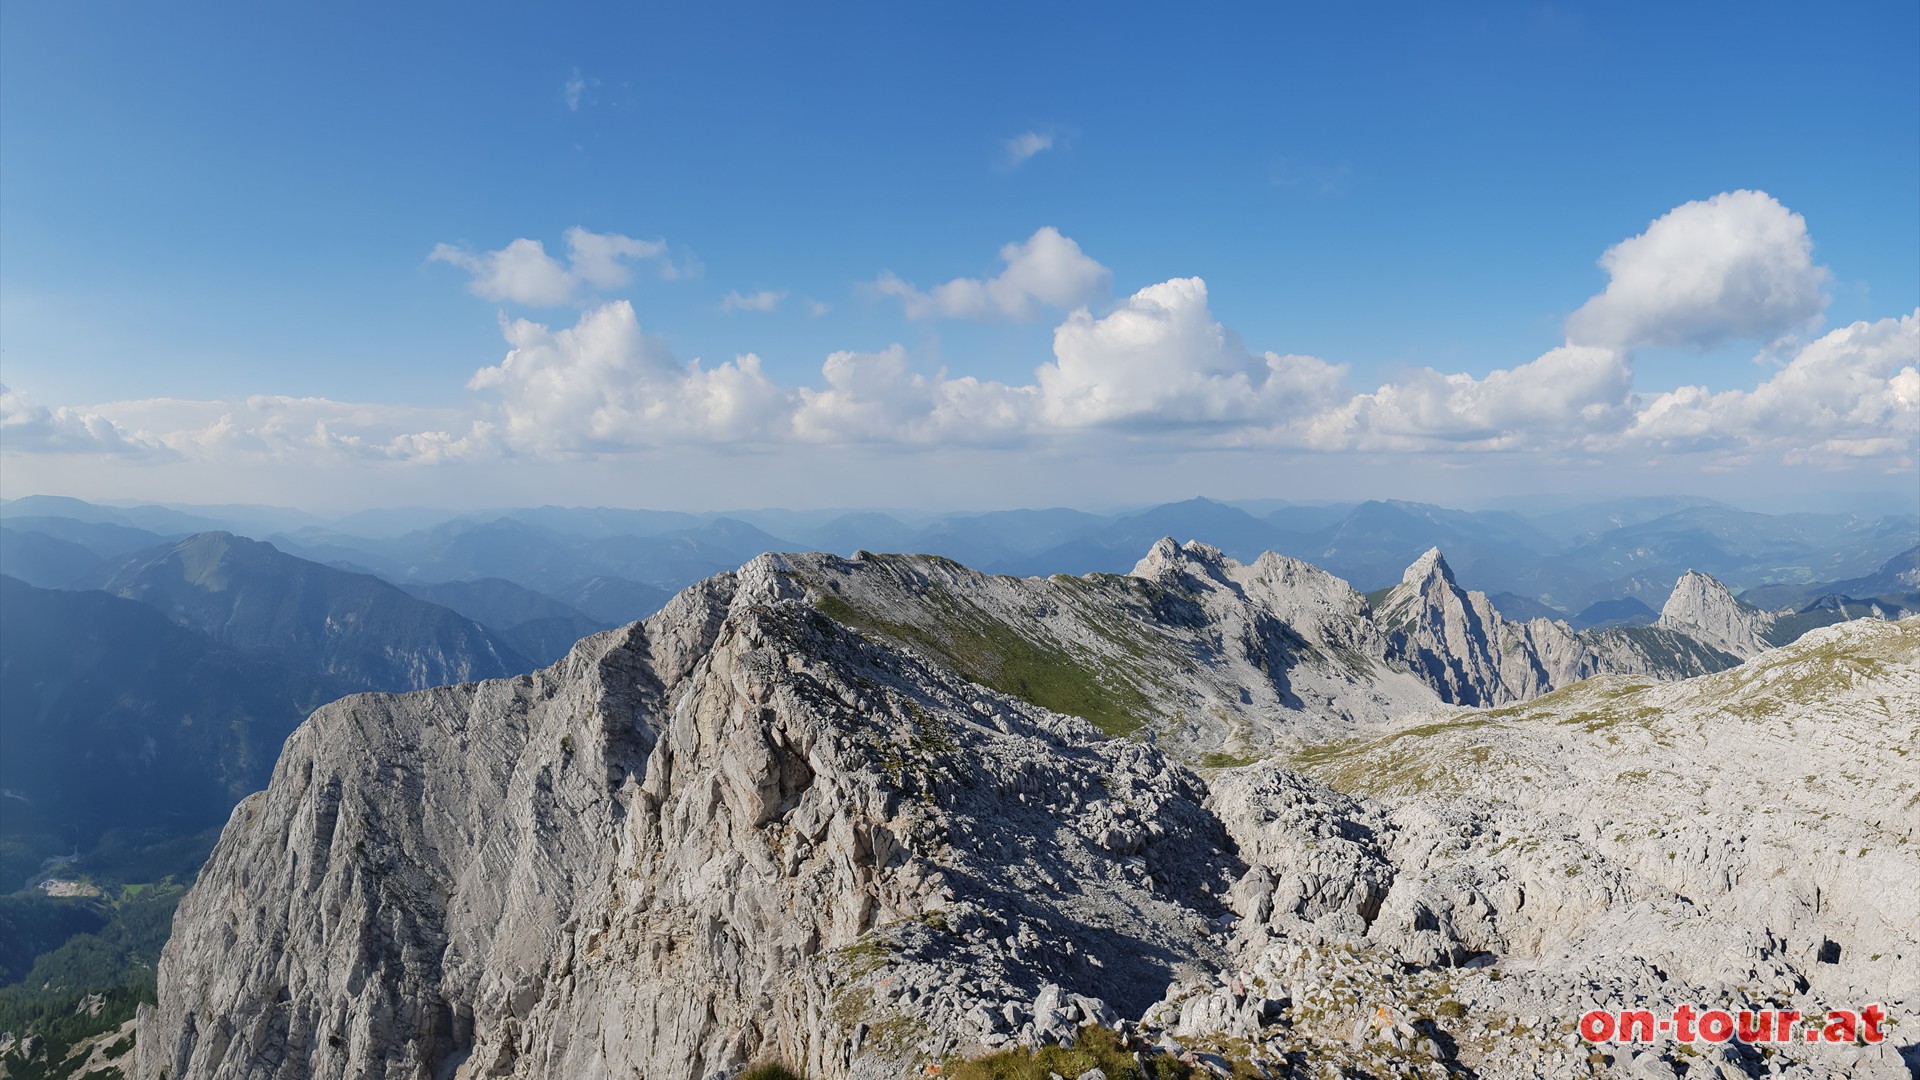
[655, 855]
[790, 817]
[1457, 643]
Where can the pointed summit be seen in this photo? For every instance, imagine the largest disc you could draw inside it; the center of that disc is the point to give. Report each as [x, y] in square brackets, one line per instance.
[1427, 566]
[1695, 596]
[1426, 590]
[1448, 636]
[1703, 608]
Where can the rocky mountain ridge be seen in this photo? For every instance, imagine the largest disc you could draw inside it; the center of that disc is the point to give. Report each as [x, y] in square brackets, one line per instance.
[1461, 645]
[1238, 657]
[352, 628]
[816, 811]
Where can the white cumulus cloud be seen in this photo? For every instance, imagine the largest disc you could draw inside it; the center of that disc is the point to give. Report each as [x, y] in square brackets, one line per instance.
[26, 426]
[1157, 369]
[1736, 266]
[277, 426]
[1852, 392]
[523, 272]
[1564, 398]
[603, 383]
[600, 258]
[1047, 271]
[1161, 360]
[259, 428]
[877, 397]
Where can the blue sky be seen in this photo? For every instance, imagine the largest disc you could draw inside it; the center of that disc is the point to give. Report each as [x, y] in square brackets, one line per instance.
[199, 204]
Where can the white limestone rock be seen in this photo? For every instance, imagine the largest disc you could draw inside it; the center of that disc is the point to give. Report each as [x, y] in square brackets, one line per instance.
[1456, 642]
[778, 821]
[1705, 610]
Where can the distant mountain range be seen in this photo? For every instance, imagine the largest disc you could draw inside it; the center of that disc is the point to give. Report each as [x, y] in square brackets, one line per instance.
[243, 636]
[113, 716]
[353, 628]
[154, 689]
[1579, 562]
[617, 565]
[537, 627]
[153, 659]
[1897, 579]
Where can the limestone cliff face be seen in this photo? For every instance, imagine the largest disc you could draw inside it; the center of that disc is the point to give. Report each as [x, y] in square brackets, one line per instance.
[1457, 643]
[788, 819]
[403, 887]
[652, 859]
[1453, 639]
[1703, 609]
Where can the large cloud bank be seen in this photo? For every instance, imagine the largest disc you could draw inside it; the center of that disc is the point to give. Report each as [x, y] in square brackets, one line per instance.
[1156, 368]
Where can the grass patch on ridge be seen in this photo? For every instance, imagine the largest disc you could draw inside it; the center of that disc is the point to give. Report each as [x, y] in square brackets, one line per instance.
[991, 653]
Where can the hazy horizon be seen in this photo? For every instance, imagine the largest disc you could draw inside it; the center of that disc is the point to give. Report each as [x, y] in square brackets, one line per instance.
[1862, 503]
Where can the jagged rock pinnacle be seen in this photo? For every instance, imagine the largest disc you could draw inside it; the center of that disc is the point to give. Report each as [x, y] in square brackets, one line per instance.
[1169, 554]
[1426, 566]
